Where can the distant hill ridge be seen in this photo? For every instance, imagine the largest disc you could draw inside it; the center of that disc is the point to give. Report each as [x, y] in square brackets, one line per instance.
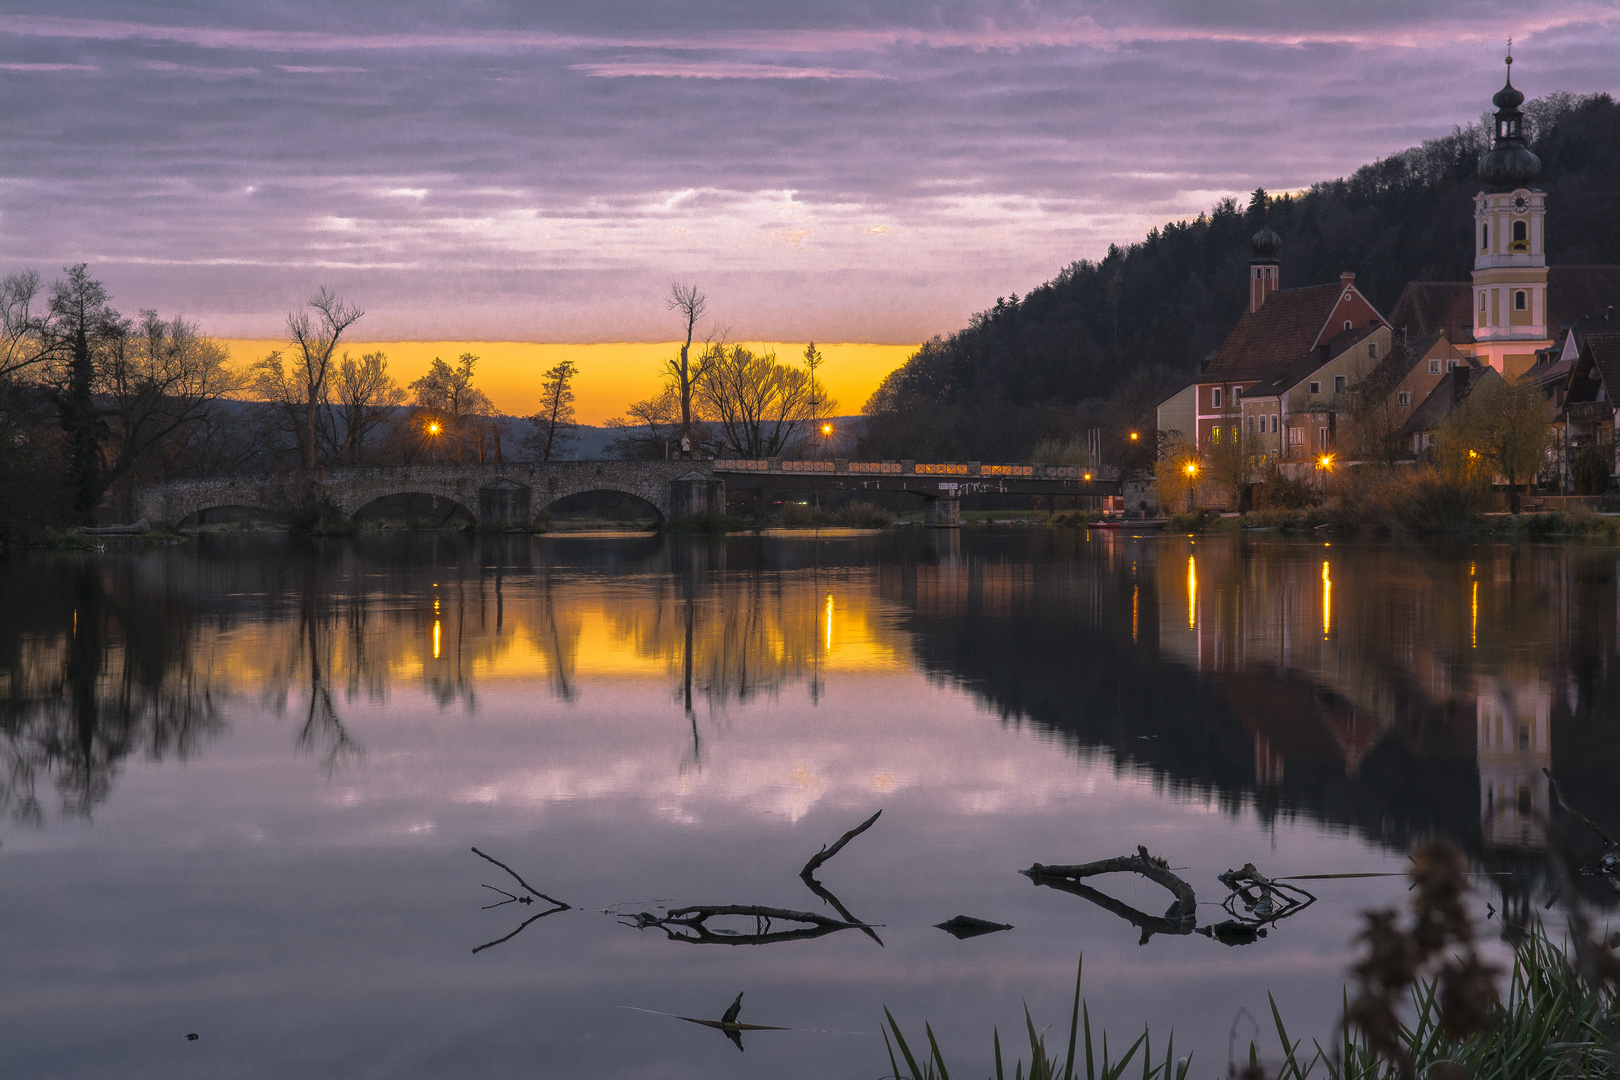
[1101, 343]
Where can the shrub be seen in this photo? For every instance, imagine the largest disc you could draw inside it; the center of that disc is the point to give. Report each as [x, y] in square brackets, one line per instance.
[862, 515]
[1280, 492]
[1590, 469]
[795, 516]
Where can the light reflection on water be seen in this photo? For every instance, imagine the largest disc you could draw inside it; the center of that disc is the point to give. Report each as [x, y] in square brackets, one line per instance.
[241, 780]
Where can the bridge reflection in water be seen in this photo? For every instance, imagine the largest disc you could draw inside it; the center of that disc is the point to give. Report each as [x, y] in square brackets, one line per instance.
[1393, 693]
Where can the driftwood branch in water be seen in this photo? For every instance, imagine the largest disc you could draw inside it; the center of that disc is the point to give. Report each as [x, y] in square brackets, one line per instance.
[1178, 919]
[694, 920]
[525, 884]
[1576, 814]
[807, 876]
[828, 852]
[521, 927]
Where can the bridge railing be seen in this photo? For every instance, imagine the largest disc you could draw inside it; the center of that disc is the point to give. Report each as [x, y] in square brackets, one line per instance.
[846, 467]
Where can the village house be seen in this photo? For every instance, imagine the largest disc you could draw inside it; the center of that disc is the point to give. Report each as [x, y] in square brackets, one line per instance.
[1328, 329]
[1281, 372]
[1299, 409]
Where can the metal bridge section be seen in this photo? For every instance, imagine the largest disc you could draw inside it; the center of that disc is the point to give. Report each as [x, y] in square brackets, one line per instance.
[941, 484]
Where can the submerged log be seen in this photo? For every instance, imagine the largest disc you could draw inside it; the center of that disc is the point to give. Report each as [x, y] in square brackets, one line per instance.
[689, 924]
[1183, 910]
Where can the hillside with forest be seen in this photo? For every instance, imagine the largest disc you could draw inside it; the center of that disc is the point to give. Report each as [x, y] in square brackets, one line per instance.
[1103, 342]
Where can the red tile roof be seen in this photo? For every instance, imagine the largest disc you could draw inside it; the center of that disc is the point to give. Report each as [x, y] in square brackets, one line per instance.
[1576, 296]
[1428, 308]
[1580, 295]
[1265, 342]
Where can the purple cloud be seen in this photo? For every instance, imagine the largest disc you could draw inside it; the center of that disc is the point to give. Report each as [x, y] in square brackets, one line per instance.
[831, 170]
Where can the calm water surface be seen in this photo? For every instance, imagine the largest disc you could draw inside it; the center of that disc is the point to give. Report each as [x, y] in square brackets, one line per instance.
[241, 780]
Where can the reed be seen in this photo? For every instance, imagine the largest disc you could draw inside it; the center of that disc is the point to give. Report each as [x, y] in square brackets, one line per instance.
[1549, 1024]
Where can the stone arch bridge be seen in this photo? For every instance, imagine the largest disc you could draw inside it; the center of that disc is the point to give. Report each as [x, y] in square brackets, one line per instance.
[514, 494]
[511, 493]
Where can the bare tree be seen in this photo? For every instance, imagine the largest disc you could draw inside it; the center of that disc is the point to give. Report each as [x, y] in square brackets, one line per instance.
[159, 384]
[759, 405]
[554, 424]
[690, 305]
[366, 398]
[20, 345]
[448, 398]
[649, 427]
[314, 341]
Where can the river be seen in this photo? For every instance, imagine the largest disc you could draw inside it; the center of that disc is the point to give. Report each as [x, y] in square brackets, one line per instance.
[241, 780]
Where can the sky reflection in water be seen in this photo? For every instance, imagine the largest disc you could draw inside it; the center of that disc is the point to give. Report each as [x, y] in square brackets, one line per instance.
[242, 780]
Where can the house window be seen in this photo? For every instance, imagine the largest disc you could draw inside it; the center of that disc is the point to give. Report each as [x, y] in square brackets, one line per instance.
[1316, 388]
[1215, 397]
[1434, 367]
[1520, 233]
[1347, 324]
[1251, 425]
[1237, 395]
[1321, 436]
[1518, 300]
[1338, 384]
[1274, 423]
[1451, 365]
[1217, 436]
[1372, 350]
[1403, 399]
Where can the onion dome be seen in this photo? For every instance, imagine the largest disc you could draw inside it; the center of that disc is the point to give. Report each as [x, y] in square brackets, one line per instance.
[1509, 163]
[1266, 243]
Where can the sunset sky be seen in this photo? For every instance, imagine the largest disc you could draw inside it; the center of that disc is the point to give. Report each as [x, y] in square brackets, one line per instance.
[540, 173]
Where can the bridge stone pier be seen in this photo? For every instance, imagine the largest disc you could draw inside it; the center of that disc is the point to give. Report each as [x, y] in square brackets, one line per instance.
[512, 493]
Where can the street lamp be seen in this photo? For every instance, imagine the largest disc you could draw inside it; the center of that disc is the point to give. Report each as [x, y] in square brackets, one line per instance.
[433, 427]
[1134, 436]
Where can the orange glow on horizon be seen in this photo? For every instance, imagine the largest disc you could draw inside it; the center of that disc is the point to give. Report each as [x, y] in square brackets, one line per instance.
[611, 374]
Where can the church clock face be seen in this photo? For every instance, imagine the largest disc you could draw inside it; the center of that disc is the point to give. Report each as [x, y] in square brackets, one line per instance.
[1520, 203]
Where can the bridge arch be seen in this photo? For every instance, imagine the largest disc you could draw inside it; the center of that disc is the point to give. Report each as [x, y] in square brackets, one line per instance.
[415, 504]
[560, 504]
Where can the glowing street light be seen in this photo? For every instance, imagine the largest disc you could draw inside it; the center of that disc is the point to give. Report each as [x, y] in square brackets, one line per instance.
[1325, 463]
[1191, 468]
[433, 427]
[826, 429]
[1134, 436]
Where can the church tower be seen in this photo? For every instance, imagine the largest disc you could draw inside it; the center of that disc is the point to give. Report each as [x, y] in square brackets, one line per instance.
[1263, 279]
[1510, 253]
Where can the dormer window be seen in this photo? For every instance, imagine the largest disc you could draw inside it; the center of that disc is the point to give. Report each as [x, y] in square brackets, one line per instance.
[1403, 399]
[1434, 367]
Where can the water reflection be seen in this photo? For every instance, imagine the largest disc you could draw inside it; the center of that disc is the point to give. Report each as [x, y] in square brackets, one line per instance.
[93, 669]
[625, 715]
[1434, 695]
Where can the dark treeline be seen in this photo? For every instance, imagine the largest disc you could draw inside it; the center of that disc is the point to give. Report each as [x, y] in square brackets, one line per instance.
[1102, 343]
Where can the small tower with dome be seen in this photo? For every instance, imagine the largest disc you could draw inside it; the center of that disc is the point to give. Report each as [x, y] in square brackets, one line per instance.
[1510, 253]
[1263, 279]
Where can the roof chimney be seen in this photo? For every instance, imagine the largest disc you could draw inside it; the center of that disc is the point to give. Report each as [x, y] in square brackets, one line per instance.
[1347, 278]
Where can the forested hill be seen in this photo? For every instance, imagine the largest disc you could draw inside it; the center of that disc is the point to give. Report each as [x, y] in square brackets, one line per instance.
[1102, 343]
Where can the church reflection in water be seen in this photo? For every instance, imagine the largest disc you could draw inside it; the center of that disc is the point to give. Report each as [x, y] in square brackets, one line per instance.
[1396, 692]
